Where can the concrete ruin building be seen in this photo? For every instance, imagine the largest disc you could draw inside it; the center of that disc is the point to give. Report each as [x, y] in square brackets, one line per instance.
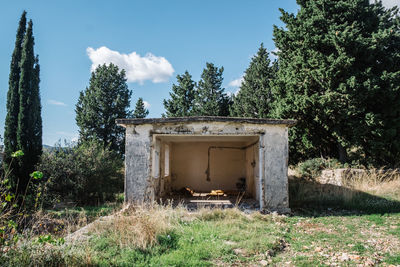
[165, 155]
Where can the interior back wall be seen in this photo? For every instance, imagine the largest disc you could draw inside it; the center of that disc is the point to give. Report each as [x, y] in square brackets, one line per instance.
[189, 165]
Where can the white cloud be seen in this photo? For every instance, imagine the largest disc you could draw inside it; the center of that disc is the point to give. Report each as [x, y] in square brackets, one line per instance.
[388, 3]
[236, 83]
[137, 68]
[56, 103]
[272, 56]
[146, 104]
[233, 93]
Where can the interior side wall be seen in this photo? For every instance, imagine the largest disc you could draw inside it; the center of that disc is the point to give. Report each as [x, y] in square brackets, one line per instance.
[165, 163]
[189, 164]
[252, 171]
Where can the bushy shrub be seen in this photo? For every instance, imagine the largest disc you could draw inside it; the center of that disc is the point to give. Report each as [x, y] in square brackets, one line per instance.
[313, 167]
[86, 174]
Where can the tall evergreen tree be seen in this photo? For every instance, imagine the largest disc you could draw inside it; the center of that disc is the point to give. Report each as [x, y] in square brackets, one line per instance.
[37, 141]
[254, 97]
[182, 97]
[29, 131]
[210, 99]
[11, 122]
[339, 76]
[23, 126]
[106, 99]
[140, 109]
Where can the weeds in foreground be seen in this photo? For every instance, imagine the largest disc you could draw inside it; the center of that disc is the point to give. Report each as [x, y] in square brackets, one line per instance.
[160, 235]
[14, 209]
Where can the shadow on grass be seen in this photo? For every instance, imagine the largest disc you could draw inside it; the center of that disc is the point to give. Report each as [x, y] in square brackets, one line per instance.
[310, 198]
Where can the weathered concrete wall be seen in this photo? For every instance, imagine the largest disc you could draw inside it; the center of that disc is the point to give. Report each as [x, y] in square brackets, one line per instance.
[252, 171]
[274, 151]
[141, 182]
[138, 160]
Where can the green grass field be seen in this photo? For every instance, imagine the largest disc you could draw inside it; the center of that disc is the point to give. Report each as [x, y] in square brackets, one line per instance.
[223, 238]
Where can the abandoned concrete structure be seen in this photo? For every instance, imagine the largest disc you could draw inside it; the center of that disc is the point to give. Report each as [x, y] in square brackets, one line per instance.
[246, 155]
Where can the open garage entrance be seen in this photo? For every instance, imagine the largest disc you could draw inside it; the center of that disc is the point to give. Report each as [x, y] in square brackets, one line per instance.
[198, 156]
[207, 169]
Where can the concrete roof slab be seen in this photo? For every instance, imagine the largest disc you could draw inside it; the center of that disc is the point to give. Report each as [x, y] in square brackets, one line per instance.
[135, 121]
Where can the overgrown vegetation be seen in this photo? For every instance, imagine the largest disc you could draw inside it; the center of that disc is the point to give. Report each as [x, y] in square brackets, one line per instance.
[157, 235]
[86, 174]
[15, 210]
[312, 168]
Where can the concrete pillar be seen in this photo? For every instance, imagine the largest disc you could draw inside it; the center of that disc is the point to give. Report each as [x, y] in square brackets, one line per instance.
[274, 145]
[137, 164]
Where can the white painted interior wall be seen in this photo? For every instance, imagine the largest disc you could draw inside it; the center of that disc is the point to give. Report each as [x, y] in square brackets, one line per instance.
[188, 165]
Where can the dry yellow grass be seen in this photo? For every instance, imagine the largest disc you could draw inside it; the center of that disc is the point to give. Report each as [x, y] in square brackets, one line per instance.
[377, 182]
[373, 190]
[139, 226]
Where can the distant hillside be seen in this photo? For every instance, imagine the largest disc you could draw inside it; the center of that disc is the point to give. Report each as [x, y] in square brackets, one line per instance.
[48, 148]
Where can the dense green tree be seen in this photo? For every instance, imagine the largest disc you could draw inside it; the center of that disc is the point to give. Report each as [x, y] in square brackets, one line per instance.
[210, 99]
[140, 109]
[339, 76]
[29, 131]
[106, 99]
[11, 122]
[182, 97]
[23, 126]
[254, 97]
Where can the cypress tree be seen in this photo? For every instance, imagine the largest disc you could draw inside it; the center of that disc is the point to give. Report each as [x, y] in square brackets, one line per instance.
[182, 97]
[29, 131]
[339, 76]
[36, 111]
[210, 99]
[254, 97]
[11, 122]
[140, 109]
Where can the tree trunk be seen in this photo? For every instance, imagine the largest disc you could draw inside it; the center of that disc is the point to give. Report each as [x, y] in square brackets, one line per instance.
[342, 154]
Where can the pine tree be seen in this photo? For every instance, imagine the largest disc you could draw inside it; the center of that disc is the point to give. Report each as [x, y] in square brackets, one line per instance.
[210, 99]
[106, 99]
[182, 97]
[140, 109]
[11, 122]
[29, 131]
[254, 97]
[339, 76]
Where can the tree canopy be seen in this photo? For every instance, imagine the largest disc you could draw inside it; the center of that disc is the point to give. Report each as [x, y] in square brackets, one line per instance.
[339, 76]
[99, 105]
[210, 99]
[140, 109]
[182, 97]
[254, 97]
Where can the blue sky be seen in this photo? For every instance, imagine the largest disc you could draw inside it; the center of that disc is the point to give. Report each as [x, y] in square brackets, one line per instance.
[155, 40]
